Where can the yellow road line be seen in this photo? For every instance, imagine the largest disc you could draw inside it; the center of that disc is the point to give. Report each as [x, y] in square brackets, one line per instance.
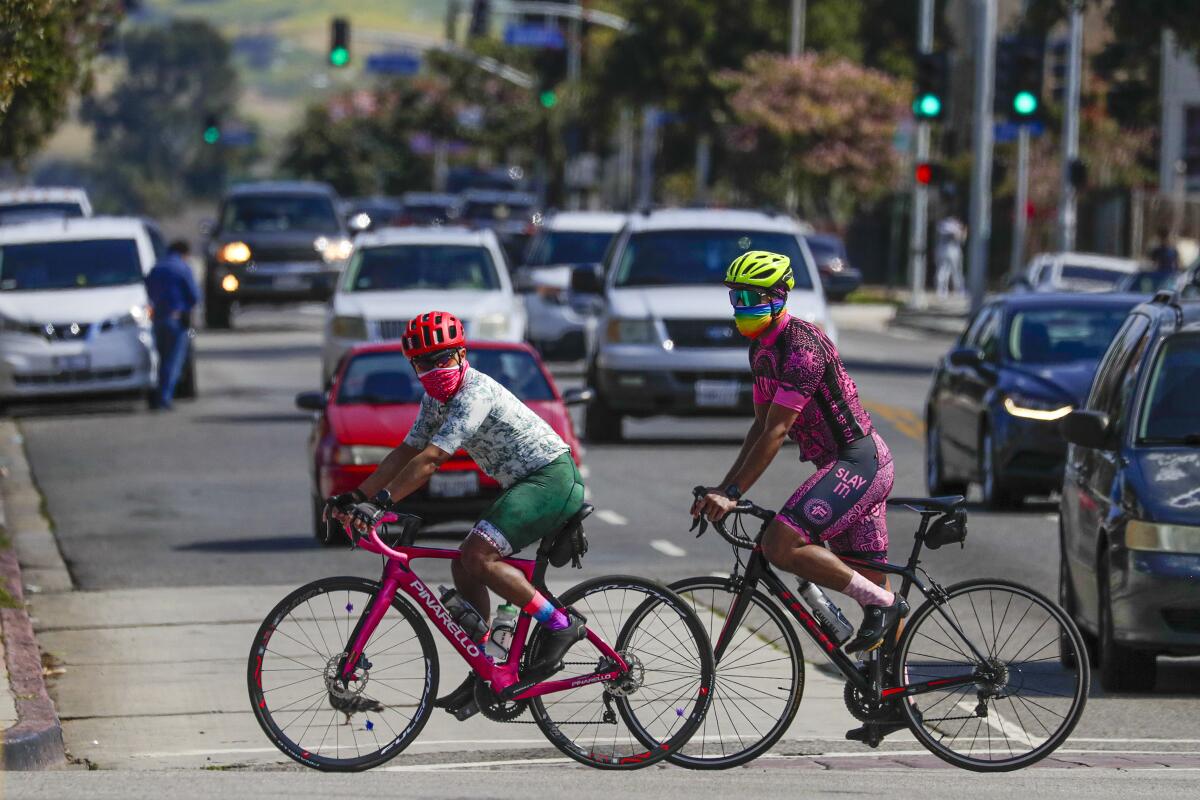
[902, 419]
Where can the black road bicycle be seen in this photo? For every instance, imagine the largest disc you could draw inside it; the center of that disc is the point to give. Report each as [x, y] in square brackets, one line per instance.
[988, 674]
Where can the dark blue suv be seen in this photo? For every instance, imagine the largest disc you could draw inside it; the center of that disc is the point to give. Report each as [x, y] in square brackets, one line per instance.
[1130, 509]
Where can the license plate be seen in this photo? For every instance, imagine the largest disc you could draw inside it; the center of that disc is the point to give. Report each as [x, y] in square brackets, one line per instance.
[453, 484]
[290, 282]
[80, 362]
[716, 394]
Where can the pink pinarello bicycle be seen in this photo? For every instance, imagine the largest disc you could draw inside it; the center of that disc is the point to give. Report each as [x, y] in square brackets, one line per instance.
[343, 671]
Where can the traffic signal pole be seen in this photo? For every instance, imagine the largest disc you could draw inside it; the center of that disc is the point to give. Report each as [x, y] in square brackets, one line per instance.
[982, 137]
[918, 240]
[1021, 203]
[1066, 208]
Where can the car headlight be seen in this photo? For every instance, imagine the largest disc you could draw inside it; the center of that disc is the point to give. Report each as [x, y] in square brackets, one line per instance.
[1030, 408]
[632, 331]
[1141, 535]
[347, 327]
[360, 455]
[333, 250]
[490, 326]
[234, 253]
[137, 316]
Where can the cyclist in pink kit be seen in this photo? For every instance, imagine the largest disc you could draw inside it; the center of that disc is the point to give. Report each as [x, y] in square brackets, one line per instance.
[802, 392]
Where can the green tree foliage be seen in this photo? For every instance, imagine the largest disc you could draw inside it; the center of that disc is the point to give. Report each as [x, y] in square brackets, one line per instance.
[814, 133]
[148, 130]
[46, 52]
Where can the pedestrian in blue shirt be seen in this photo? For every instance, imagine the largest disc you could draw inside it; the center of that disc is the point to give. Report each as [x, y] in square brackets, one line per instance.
[173, 294]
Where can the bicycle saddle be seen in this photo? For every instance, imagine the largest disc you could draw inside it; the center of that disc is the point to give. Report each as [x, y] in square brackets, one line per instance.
[941, 505]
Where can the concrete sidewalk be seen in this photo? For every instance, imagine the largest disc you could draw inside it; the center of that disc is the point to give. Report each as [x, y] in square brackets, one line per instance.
[156, 678]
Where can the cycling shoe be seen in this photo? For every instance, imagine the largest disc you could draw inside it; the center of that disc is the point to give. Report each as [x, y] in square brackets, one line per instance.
[555, 644]
[460, 697]
[877, 622]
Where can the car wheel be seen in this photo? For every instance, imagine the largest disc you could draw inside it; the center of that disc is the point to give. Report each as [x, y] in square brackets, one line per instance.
[996, 494]
[935, 472]
[217, 315]
[1066, 599]
[601, 423]
[1122, 669]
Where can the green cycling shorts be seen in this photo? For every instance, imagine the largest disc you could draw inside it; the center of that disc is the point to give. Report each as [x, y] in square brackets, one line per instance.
[533, 507]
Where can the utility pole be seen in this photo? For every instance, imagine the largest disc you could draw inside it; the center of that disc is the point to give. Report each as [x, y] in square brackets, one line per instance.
[1066, 208]
[981, 144]
[918, 235]
[799, 12]
[574, 46]
[645, 195]
[452, 21]
[1020, 217]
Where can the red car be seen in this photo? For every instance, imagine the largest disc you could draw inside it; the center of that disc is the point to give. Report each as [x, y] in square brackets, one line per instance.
[373, 400]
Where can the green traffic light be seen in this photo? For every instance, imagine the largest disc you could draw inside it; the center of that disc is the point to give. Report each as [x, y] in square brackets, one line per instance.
[212, 134]
[928, 106]
[549, 99]
[339, 56]
[1024, 103]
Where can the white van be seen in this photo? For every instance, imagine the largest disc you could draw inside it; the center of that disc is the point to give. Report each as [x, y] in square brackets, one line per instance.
[74, 316]
[665, 342]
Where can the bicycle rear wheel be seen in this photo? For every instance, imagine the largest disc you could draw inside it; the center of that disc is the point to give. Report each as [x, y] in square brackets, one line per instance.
[760, 676]
[1024, 702]
[315, 718]
[652, 711]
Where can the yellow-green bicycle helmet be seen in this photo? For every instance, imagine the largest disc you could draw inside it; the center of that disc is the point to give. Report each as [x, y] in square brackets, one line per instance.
[761, 269]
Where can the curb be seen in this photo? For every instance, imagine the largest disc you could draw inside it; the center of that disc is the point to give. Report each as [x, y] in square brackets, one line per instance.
[36, 740]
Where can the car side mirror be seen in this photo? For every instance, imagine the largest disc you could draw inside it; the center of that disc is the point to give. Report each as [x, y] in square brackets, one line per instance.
[966, 357]
[587, 279]
[311, 401]
[1086, 429]
[574, 397]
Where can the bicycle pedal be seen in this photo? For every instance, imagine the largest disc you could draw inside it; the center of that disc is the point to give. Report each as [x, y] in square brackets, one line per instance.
[466, 712]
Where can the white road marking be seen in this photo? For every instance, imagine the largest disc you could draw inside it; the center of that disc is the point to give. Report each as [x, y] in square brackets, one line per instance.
[1006, 728]
[585, 472]
[668, 548]
[719, 574]
[467, 764]
[419, 742]
[611, 517]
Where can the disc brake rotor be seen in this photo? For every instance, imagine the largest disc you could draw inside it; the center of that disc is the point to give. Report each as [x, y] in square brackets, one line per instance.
[631, 681]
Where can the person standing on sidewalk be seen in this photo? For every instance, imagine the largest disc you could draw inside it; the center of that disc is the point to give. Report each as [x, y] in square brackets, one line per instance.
[1165, 257]
[948, 256]
[173, 294]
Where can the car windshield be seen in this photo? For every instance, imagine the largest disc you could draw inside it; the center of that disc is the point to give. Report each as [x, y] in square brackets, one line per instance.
[278, 213]
[1170, 413]
[387, 377]
[1079, 275]
[568, 247]
[421, 266]
[1060, 335]
[499, 212]
[16, 213]
[698, 257]
[417, 213]
[80, 264]
[1148, 282]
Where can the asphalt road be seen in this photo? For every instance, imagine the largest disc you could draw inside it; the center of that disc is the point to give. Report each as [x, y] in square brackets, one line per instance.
[217, 493]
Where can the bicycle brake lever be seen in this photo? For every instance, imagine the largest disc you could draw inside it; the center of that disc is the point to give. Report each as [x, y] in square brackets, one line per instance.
[701, 523]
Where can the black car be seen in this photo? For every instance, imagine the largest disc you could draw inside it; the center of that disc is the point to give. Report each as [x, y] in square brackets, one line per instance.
[512, 215]
[273, 242]
[838, 278]
[1130, 510]
[1024, 362]
[429, 208]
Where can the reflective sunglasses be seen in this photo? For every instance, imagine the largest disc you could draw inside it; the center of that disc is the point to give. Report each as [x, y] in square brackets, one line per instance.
[742, 298]
[433, 361]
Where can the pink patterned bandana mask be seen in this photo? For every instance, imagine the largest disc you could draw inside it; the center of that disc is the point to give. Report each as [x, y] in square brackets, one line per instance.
[443, 383]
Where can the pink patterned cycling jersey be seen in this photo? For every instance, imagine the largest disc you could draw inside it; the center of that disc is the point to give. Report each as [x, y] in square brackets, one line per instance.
[795, 363]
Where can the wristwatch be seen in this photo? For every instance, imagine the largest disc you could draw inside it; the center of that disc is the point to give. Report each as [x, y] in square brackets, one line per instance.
[382, 499]
[733, 492]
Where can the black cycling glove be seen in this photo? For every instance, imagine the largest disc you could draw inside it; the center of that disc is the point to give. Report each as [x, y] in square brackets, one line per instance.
[344, 503]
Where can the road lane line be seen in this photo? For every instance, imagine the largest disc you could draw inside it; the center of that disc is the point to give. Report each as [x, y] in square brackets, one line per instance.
[668, 548]
[903, 420]
[585, 471]
[611, 517]
[467, 764]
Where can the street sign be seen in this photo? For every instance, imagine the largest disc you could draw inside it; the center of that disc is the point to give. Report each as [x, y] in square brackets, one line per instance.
[397, 63]
[1008, 131]
[547, 38]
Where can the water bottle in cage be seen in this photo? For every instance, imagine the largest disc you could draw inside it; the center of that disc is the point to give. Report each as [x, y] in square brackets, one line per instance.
[830, 616]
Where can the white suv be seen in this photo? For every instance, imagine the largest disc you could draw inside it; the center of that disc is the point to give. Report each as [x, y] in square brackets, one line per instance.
[397, 273]
[32, 203]
[665, 342]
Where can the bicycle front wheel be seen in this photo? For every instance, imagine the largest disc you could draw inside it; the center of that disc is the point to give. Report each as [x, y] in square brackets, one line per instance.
[294, 677]
[760, 675]
[651, 711]
[1023, 702]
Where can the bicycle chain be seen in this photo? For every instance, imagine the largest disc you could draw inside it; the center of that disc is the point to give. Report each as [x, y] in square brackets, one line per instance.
[516, 721]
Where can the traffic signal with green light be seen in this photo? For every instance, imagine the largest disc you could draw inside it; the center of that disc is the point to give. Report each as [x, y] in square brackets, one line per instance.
[212, 129]
[1020, 64]
[933, 80]
[339, 42]
[548, 98]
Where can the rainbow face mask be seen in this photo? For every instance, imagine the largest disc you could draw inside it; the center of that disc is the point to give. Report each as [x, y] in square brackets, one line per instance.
[752, 321]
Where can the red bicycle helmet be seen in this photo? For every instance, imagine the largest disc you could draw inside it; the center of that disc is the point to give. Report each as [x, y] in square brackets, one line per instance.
[432, 332]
